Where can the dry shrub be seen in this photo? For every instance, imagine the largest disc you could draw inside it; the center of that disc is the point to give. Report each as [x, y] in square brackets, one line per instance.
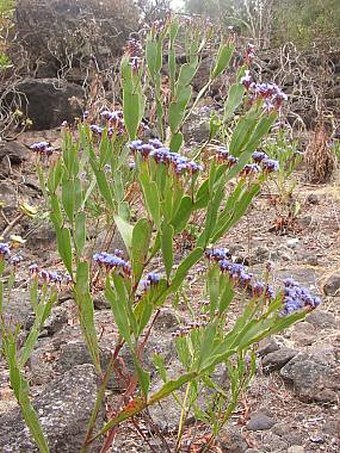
[319, 156]
[56, 35]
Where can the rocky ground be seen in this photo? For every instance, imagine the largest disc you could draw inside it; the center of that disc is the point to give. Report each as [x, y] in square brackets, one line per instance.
[293, 403]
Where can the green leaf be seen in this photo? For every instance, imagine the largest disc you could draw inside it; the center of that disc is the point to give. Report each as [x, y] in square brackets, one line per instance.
[118, 301]
[184, 267]
[151, 197]
[141, 236]
[182, 214]
[186, 75]
[125, 230]
[235, 96]
[65, 247]
[177, 108]
[144, 379]
[176, 141]
[80, 232]
[224, 55]
[84, 302]
[68, 196]
[167, 234]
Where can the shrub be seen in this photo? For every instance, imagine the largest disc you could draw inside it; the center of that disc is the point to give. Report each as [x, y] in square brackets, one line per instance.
[108, 171]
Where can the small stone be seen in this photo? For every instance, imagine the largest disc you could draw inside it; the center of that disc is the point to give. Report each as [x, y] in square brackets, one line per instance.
[277, 359]
[296, 449]
[332, 286]
[260, 421]
[267, 346]
[293, 243]
[313, 198]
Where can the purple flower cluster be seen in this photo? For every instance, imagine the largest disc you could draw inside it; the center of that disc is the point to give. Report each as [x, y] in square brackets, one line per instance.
[272, 95]
[296, 297]
[156, 150]
[151, 280]
[112, 261]
[15, 260]
[4, 250]
[49, 276]
[224, 156]
[268, 165]
[42, 148]
[238, 274]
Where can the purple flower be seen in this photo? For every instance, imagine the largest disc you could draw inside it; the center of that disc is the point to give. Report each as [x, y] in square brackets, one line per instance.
[270, 165]
[259, 156]
[33, 269]
[250, 169]
[156, 143]
[218, 254]
[4, 250]
[16, 259]
[42, 148]
[152, 279]
[97, 130]
[112, 262]
[296, 297]
[135, 145]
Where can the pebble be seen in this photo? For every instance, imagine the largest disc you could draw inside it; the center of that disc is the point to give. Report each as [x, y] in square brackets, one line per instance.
[260, 421]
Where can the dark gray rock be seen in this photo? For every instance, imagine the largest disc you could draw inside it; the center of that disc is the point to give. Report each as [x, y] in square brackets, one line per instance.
[315, 376]
[277, 359]
[260, 421]
[16, 152]
[332, 286]
[56, 321]
[48, 102]
[64, 408]
[231, 440]
[267, 346]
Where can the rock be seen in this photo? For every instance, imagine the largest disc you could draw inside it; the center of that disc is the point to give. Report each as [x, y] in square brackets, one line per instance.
[18, 310]
[50, 101]
[296, 449]
[8, 196]
[197, 129]
[321, 319]
[166, 321]
[315, 376]
[277, 359]
[231, 440]
[64, 409]
[313, 198]
[293, 243]
[56, 321]
[332, 286]
[267, 346]
[16, 152]
[260, 255]
[260, 421]
[303, 334]
[41, 364]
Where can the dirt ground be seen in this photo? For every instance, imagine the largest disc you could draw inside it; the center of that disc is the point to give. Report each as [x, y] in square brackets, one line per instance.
[293, 403]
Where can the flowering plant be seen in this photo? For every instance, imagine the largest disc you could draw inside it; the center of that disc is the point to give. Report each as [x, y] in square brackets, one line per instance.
[169, 189]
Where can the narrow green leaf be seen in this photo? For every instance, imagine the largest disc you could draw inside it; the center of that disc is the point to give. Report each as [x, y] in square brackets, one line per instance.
[80, 232]
[141, 236]
[125, 230]
[167, 234]
[224, 55]
[65, 247]
[85, 305]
